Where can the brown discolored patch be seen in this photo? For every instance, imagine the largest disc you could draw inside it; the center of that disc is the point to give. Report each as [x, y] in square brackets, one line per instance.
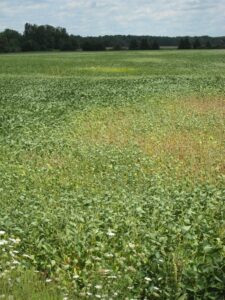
[149, 144]
[195, 150]
[182, 145]
[201, 105]
[192, 153]
[221, 168]
[106, 127]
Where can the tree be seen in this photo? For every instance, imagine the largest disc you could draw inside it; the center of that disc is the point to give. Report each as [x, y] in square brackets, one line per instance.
[30, 41]
[187, 43]
[184, 43]
[155, 45]
[197, 44]
[3, 43]
[117, 47]
[133, 44]
[86, 46]
[69, 44]
[144, 44]
[46, 37]
[74, 42]
[208, 45]
[10, 41]
[99, 46]
[60, 36]
[93, 44]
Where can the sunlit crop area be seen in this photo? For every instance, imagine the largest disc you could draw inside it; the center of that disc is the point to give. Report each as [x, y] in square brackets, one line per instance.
[112, 175]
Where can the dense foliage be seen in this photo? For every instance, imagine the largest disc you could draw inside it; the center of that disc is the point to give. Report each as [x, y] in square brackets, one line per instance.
[46, 38]
[112, 177]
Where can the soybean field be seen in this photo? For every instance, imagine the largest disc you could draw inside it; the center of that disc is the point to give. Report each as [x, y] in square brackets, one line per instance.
[112, 175]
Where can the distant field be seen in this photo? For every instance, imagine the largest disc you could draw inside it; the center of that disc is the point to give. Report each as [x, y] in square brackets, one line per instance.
[112, 175]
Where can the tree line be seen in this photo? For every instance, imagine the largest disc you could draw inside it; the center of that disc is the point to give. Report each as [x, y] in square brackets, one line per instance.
[49, 38]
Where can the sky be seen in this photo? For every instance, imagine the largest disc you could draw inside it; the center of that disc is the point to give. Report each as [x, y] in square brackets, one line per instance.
[100, 17]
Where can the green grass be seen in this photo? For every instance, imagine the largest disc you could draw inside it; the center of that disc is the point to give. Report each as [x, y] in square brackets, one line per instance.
[112, 175]
[27, 285]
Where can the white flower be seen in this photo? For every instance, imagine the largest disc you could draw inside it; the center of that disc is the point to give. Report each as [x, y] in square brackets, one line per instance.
[3, 242]
[82, 294]
[26, 255]
[98, 287]
[15, 241]
[110, 233]
[4, 273]
[96, 258]
[2, 232]
[76, 276]
[109, 255]
[112, 277]
[148, 279]
[48, 280]
[104, 271]
[98, 296]
[132, 246]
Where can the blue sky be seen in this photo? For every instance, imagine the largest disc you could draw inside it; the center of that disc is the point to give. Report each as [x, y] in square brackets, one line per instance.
[99, 17]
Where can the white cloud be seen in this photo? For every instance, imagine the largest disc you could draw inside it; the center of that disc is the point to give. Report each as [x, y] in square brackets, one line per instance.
[95, 17]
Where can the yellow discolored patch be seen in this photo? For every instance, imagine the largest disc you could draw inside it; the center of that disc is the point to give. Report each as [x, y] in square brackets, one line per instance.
[99, 69]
